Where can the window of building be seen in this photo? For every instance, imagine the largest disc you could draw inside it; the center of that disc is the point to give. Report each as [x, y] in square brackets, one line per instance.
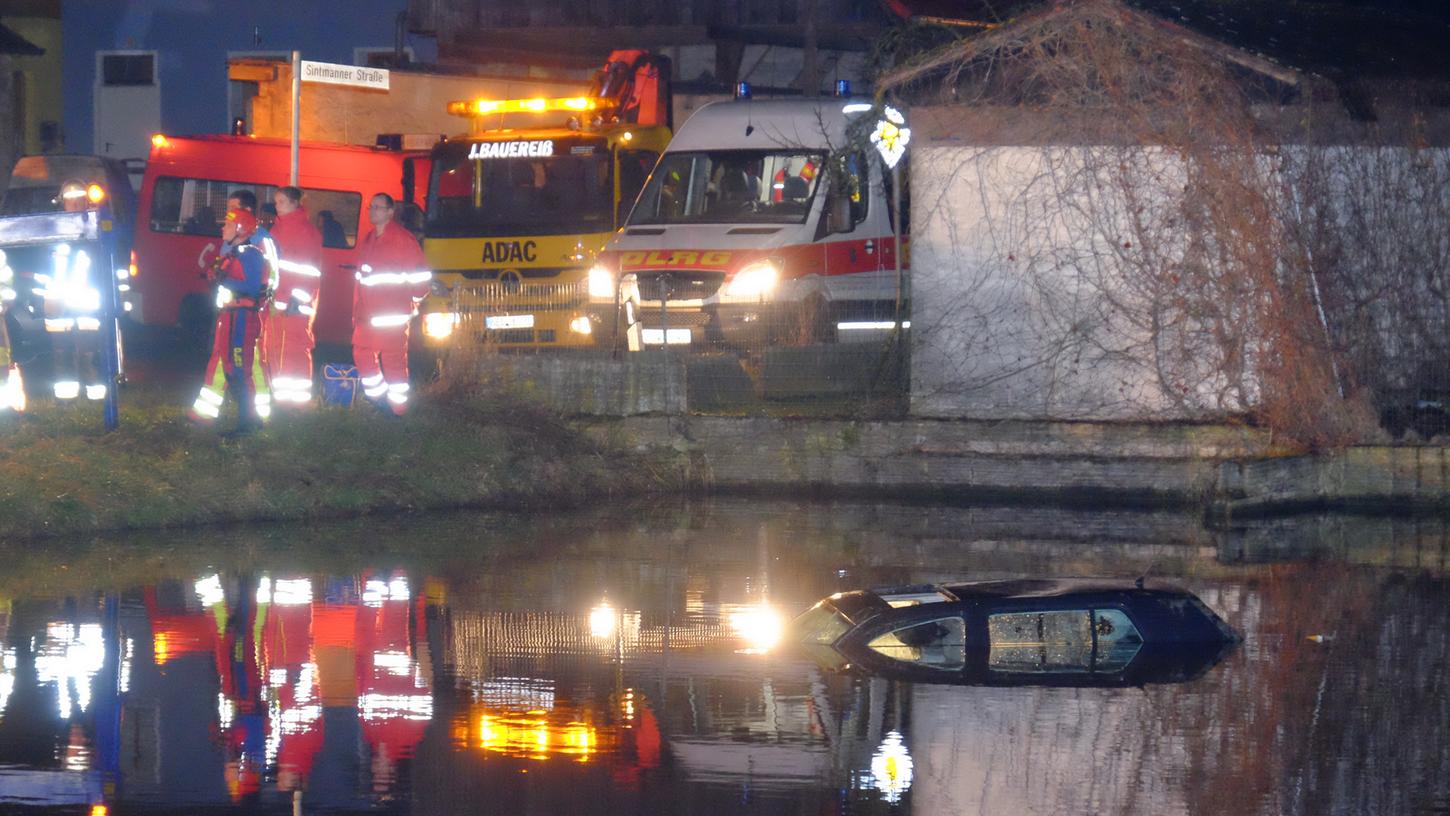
[128, 69]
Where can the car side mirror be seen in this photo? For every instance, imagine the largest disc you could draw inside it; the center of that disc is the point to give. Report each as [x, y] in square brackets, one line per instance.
[838, 214]
[621, 212]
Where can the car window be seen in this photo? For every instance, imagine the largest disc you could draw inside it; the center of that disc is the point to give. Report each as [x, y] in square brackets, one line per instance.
[1078, 640]
[1041, 641]
[1118, 640]
[937, 644]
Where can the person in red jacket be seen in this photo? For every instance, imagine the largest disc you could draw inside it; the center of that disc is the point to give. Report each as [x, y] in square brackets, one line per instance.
[287, 326]
[392, 277]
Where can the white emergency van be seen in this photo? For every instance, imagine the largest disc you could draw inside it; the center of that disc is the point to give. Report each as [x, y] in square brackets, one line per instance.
[759, 221]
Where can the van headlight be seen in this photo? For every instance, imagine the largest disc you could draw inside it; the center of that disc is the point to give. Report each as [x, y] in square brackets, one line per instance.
[755, 280]
[601, 282]
[439, 325]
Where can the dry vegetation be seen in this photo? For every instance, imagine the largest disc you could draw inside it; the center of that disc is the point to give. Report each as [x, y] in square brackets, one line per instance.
[1190, 221]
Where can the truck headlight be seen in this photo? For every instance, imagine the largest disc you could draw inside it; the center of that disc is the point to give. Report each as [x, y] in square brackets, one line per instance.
[601, 282]
[439, 325]
[755, 280]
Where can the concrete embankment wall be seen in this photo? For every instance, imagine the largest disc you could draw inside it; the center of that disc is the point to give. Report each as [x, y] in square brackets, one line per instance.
[1172, 465]
[642, 404]
[1362, 478]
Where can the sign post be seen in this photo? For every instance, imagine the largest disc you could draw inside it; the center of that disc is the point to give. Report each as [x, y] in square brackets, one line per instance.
[296, 109]
[327, 73]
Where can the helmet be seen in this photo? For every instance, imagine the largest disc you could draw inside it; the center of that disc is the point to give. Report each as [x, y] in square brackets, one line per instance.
[245, 221]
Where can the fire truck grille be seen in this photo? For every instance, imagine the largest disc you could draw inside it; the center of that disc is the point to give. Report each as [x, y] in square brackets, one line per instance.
[678, 285]
[498, 296]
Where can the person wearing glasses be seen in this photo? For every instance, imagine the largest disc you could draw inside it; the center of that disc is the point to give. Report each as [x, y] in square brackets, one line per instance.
[392, 278]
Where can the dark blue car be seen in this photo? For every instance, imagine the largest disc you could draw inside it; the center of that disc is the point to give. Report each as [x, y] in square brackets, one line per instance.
[1018, 632]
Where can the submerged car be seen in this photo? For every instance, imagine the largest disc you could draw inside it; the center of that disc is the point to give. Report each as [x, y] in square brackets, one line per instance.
[1018, 632]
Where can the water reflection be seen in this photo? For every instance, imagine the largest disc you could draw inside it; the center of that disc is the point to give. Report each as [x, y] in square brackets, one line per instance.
[624, 663]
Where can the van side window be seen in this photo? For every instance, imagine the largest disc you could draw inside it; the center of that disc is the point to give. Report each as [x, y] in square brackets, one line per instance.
[903, 173]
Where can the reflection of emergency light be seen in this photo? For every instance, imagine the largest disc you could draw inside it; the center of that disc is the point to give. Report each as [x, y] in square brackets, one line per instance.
[488, 107]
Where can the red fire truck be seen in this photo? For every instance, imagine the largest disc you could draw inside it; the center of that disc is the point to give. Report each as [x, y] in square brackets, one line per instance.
[183, 203]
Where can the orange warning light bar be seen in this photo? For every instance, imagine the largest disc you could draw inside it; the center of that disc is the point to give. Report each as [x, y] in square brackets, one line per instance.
[487, 107]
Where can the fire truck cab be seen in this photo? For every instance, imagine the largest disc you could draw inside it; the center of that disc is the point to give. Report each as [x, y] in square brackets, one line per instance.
[762, 216]
[183, 203]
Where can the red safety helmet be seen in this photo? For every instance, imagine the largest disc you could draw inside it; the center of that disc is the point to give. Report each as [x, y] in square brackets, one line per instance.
[245, 221]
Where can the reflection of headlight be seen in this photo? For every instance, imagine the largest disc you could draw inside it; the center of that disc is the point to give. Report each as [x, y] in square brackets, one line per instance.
[601, 282]
[581, 325]
[761, 627]
[439, 325]
[755, 280]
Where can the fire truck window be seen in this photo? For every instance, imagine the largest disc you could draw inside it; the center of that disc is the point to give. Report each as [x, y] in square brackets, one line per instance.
[475, 192]
[634, 169]
[336, 215]
[189, 206]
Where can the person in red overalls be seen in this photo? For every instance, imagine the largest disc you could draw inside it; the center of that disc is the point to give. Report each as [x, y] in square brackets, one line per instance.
[287, 337]
[392, 277]
[245, 273]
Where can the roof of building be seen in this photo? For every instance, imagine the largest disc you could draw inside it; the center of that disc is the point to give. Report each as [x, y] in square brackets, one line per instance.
[12, 43]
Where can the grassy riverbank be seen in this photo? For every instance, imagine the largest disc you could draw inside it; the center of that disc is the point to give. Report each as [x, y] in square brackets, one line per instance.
[60, 474]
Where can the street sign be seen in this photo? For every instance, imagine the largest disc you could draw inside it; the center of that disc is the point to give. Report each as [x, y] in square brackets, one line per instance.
[331, 73]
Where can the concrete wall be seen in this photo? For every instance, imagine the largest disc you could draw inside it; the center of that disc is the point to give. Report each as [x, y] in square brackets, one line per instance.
[1027, 297]
[1369, 477]
[42, 77]
[414, 103]
[1132, 464]
[10, 146]
[636, 384]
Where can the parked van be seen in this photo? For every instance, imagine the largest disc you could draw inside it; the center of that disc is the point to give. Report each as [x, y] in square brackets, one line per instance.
[183, 203]
[756, 218]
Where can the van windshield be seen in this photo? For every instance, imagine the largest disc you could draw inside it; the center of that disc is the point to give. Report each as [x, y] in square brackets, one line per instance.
[730, 187]
[520, 187]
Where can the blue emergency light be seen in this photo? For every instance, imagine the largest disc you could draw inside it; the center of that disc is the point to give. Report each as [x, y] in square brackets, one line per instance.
[843, 87]
[742, 90]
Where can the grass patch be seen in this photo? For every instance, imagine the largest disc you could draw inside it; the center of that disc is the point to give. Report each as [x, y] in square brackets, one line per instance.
[61, 474]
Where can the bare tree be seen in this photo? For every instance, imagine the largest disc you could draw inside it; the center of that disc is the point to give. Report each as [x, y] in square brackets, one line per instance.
[1134, 242]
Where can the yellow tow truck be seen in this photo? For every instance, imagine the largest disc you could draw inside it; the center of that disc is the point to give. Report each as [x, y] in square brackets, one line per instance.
[516, 213]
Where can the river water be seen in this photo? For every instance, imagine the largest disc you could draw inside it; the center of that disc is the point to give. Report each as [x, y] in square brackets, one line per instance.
[622, 661]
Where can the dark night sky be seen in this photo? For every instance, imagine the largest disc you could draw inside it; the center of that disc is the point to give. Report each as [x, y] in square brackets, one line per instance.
[1337, 38]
